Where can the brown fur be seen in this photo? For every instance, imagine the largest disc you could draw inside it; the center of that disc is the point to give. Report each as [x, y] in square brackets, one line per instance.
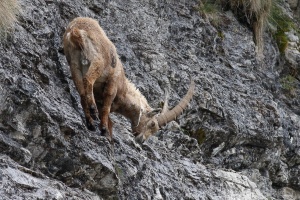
[100, 80]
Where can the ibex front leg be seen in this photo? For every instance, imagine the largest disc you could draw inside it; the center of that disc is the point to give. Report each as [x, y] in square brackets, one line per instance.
[108, 98]
[89, 98]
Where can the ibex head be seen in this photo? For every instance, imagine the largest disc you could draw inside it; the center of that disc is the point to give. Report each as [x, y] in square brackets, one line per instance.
[151, 122]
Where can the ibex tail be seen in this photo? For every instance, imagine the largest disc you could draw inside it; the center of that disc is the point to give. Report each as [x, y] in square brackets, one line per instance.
[75, 37]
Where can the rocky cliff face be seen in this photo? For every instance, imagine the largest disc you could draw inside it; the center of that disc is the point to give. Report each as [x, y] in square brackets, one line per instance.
[246, 123]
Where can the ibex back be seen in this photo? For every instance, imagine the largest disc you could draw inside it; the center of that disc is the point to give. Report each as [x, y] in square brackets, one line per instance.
[103, 88]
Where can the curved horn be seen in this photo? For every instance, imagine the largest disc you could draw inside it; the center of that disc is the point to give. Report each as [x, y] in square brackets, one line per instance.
[166, 106]
[168, 116]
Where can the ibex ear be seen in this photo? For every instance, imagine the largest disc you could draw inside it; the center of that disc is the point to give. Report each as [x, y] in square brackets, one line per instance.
[153, 112]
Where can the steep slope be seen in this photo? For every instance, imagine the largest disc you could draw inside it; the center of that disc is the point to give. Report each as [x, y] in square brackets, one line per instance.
[248, 128]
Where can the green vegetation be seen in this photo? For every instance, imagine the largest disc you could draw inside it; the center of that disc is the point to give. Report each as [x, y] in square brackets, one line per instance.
[221, 35]
[8, 12]
[289, 83]
[255, 13]
[209, 7]
[280, 23]
[211, 10]
[281, 40]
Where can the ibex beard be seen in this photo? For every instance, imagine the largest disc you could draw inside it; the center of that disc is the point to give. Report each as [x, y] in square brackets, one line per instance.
[99, 77]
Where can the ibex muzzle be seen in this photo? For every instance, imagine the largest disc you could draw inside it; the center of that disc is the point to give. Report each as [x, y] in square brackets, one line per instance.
[99, 77]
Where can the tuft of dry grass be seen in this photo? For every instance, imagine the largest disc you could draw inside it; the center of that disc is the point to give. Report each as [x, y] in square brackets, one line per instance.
[8, 14]
[253, 12]
[256, 13]
[280, 23]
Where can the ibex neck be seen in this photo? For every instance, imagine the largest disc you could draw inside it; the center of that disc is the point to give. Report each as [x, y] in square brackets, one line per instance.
[133, 105]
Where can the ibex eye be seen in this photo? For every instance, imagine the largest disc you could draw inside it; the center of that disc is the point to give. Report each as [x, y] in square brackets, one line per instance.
[152, 124]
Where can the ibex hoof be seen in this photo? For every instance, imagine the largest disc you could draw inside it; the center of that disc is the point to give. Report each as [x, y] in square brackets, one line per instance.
[94, 112]
[105, 132]
[90, 125]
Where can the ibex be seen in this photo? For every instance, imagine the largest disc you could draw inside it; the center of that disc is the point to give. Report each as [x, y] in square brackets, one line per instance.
[100, 80]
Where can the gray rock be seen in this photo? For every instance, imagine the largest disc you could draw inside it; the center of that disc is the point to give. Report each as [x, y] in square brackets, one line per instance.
[18, 182]
[247, 127]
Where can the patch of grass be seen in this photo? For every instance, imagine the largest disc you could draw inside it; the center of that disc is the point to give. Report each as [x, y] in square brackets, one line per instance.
[279, 19]
[280, 23]
[252, 12]
[255, 13]
[208, 7]
[211, 9]
[281, 40]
